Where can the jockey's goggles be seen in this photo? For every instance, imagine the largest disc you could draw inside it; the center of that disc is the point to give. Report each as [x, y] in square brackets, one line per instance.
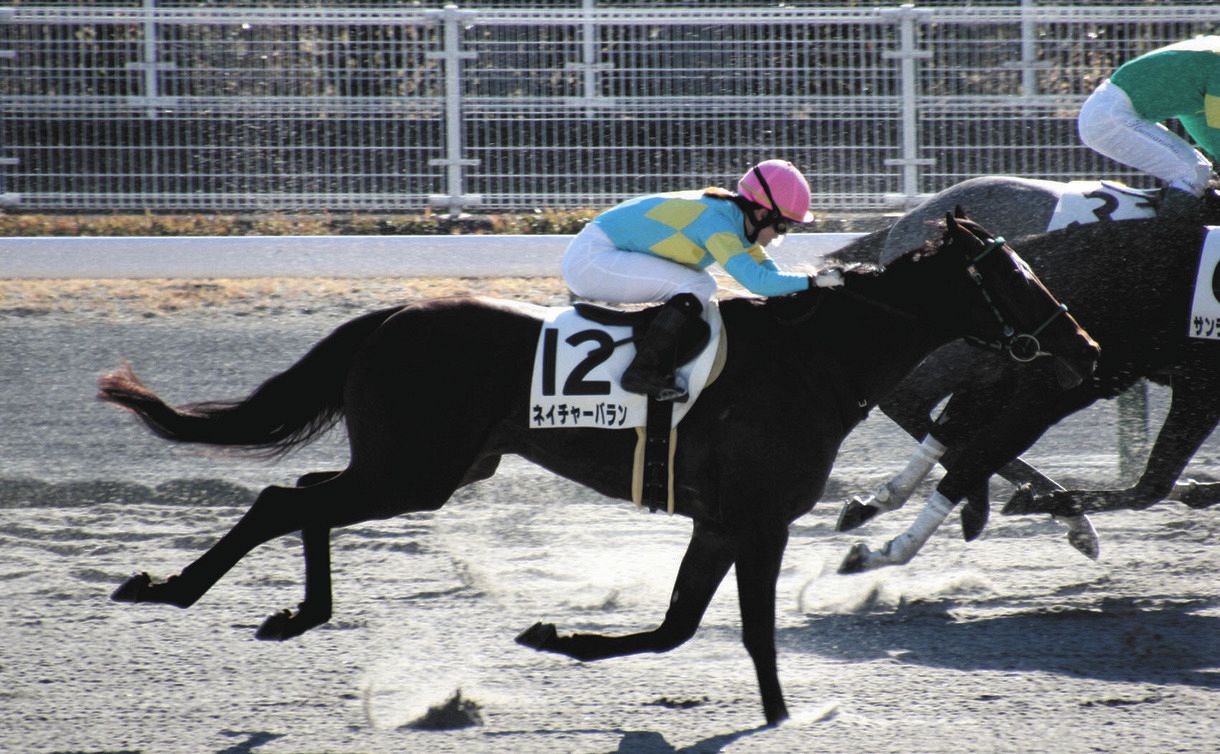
[774, 219]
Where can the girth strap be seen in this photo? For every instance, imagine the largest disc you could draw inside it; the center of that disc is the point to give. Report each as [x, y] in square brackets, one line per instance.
[658, 454]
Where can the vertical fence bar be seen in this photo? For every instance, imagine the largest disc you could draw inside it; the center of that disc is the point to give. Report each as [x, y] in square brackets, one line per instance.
[907, 17]
[451, 57]
[1029, 52]
[7, 199]
[151, 66]
[589, 65]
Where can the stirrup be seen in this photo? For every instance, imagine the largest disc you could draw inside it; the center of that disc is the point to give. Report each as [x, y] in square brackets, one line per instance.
[675, 394]
[655, 386]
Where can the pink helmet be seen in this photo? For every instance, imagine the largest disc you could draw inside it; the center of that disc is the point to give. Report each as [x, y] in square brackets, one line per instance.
[778, 186]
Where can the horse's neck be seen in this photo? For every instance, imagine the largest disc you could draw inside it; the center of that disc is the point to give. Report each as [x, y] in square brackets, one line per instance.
[882, 331]
[1122, 280]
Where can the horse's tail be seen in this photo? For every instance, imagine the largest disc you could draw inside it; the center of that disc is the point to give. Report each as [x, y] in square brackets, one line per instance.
[290, 409]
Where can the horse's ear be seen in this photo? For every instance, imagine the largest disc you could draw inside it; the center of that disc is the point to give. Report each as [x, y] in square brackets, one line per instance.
[950, 220]
[958, 212]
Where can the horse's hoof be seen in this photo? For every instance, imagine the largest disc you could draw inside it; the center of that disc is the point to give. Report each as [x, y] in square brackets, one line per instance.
[974, 520]
[276, 627]
[1021, 502]
[856, 560]
[538, 636]
[1085, 540]
[1199, 495]
[854, 514]
[133, 589]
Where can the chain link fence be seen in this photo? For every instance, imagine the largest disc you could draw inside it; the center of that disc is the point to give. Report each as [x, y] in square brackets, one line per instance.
[510, 106]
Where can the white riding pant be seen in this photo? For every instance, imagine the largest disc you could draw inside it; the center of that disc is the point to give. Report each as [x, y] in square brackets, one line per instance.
[595, 269]
[1110, 125]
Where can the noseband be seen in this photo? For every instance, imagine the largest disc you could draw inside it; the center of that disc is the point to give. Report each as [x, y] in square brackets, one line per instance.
[1020, 346]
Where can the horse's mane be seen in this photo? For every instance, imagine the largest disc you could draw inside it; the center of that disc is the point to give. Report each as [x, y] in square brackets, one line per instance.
[873, 269]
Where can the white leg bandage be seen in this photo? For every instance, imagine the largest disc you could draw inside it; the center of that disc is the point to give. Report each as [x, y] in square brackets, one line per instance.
[902, 548]
[893, 494]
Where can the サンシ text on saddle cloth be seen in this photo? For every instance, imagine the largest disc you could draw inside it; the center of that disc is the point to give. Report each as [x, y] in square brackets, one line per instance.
[1205, 307]
[578, 364]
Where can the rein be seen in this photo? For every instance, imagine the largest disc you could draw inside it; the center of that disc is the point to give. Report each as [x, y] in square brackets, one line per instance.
[1020, 346]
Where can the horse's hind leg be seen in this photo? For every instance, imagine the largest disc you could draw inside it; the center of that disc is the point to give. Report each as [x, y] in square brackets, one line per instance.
[707, 560]
[276, 511]
[1193, 413]
[316, 608]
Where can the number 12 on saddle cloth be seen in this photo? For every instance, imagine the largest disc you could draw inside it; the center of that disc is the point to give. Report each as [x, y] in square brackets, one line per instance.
[577, 366]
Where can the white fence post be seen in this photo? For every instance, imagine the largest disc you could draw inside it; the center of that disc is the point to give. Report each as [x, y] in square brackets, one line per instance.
[452, 56]
[908, 16]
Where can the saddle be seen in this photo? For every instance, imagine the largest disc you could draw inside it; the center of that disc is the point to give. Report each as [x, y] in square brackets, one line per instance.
[656, 443]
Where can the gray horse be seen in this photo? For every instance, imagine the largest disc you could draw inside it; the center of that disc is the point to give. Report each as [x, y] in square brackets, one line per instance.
[1008, 205]
[1015, 207]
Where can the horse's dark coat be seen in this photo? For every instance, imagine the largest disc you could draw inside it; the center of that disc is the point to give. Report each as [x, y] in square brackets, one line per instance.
[434, 393]
[1114, 274]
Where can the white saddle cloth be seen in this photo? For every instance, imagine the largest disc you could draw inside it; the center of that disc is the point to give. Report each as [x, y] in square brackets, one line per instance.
[577, 371]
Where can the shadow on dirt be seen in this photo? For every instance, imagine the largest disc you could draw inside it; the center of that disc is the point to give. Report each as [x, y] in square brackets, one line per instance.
[647, 742]
[1118, 640]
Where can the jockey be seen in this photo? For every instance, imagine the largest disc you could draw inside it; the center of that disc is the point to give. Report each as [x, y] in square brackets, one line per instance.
[1122, 118]
[657, 248]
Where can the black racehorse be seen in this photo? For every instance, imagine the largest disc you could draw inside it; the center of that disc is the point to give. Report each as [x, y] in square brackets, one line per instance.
[1131, 285]
[753, 453]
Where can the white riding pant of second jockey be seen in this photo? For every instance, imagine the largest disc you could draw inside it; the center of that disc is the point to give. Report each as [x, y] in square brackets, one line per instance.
[1110, 125]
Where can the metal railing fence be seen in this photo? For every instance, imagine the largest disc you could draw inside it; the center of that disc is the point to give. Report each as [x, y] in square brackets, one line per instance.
[177, 106]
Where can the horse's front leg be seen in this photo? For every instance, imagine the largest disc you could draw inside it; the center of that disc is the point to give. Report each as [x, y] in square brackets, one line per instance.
[893, 494]
[1030, 481]
[758, 565]
[910, 406]
[1197, 494]
[707, 560]
[901, 549]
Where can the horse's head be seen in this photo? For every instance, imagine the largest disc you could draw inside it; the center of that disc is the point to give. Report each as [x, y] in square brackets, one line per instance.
[1023, 318]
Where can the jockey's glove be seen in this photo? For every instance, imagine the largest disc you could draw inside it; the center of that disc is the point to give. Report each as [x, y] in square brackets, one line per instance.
[832, 277]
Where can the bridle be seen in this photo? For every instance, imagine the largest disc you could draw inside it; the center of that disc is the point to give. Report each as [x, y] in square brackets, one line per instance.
[1022, 347]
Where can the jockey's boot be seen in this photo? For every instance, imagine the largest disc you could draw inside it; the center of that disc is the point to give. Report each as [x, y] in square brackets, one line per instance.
[1177, 204]
[652, 371]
